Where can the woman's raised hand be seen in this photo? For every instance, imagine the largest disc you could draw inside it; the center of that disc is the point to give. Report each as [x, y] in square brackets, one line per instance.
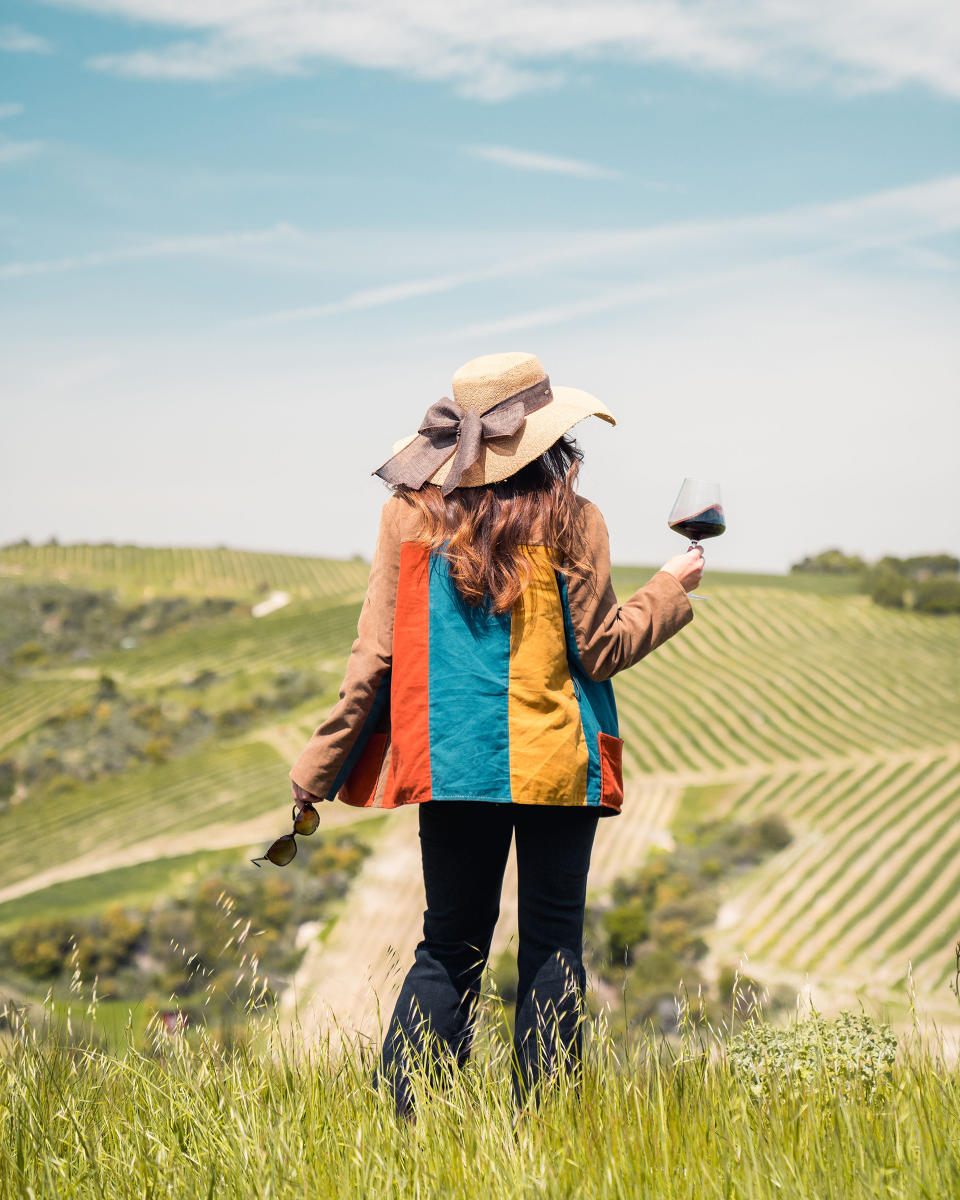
[687, 567]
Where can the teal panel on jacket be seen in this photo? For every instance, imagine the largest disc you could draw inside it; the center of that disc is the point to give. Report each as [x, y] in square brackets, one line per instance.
[469, 695]
[598, 706]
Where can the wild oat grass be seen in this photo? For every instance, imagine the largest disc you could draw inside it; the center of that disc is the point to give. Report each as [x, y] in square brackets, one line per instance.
[187, 1116]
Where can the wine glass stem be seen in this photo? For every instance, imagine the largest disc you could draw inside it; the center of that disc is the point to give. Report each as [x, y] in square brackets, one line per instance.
[694, 545]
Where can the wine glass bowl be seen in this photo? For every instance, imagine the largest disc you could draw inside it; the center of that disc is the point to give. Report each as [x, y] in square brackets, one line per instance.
[697, 512]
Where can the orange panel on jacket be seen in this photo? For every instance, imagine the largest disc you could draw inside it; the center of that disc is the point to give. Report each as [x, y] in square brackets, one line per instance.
[408, 781]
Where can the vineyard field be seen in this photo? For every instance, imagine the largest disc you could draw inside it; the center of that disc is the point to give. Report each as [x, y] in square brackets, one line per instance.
[134, 570]
[793, 697]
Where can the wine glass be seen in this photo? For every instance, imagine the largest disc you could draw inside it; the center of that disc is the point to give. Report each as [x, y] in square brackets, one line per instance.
[697, 512]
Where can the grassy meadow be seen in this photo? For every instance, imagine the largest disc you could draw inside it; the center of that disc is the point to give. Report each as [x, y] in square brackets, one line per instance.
[147, 722]
[263, 1118]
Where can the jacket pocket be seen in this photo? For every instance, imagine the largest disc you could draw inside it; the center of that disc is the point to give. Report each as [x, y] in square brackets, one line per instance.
[611, 771]
[360, 787]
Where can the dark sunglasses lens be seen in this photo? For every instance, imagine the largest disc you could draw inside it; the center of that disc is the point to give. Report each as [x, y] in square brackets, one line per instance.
[307, 821]
[283, 850]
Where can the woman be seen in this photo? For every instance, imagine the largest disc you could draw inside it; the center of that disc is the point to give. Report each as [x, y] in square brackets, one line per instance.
[478, 688]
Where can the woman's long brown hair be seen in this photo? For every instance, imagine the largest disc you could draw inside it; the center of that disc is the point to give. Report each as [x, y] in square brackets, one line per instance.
[481, 530]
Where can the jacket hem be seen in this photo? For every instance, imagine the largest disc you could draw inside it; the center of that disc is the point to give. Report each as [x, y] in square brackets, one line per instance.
[606, 808]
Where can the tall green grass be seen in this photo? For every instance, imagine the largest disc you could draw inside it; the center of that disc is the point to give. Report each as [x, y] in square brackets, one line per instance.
[264, 1117]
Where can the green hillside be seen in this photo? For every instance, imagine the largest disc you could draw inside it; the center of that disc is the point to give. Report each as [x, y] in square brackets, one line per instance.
[207, 572]
[789, 696]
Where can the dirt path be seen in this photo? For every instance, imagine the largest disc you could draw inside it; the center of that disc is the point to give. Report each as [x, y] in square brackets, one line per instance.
[256, 831]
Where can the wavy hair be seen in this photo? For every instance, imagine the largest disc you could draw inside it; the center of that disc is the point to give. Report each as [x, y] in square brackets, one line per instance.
[481, 531]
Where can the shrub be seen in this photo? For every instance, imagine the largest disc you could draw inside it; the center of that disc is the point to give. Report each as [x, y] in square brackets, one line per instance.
[28, 654]
[888, 589]
[851, 1054]
[698, 908]
[772, 833]
[675, 935]
[106, 687]
[624, 927]
[8, 778]
[924, 565]
[743, 993]
[335, 863]
[830, 562]
[938, 596]
[157, 749]
[38, 949]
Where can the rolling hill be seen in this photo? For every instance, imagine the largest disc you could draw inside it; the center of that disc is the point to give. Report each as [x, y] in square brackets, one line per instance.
[789, 696]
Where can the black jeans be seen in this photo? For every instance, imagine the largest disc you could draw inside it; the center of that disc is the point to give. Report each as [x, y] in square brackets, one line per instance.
[464, 846]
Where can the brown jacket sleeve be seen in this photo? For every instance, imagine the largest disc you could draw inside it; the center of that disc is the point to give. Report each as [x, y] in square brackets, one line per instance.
[320, 769]
[611, 636]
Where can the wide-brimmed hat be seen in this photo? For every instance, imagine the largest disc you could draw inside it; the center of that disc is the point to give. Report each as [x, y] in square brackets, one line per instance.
[504, 413]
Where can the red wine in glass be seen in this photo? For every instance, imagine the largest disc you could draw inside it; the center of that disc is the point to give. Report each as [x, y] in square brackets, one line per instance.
[697, 512]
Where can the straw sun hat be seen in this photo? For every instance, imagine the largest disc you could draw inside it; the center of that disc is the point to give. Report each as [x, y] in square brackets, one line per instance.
[504, 414]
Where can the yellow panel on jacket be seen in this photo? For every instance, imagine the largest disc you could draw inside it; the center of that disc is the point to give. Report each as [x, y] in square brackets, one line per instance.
[548, 752]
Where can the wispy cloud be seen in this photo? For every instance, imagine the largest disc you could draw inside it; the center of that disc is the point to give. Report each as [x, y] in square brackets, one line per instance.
[12, 152]
[530, 160]
[684, 283]
[520, 45]
[897, 217]
[10, 110]
[198, 246]
[606, 301]
[412, 289]
[15, 40]
[660, 260]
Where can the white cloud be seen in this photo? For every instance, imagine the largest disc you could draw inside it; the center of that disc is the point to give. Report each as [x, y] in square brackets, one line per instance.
[10, 110]
[15, 40]
[12, 152]
[493, 49]
[530, 160]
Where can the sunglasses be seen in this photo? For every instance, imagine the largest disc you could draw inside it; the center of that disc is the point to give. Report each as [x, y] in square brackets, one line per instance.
[284, 849]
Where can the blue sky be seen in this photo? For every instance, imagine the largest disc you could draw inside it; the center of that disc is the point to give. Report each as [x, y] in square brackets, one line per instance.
[244, 244]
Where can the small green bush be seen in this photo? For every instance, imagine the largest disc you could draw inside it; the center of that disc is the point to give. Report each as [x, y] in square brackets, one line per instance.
[830, 562]
[937, 596]
[28, 654]
[851, 1054]
[625, 927]
[888, 589]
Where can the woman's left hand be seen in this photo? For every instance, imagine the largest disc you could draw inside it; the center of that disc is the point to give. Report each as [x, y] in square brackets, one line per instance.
[302, 797]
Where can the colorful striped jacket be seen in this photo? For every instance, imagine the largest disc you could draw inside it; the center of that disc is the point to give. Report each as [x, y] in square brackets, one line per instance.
[443, 701]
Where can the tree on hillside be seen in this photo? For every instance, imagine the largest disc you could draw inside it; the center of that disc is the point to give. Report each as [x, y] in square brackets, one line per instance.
[925, 566]
[927, 583]
[830, 562]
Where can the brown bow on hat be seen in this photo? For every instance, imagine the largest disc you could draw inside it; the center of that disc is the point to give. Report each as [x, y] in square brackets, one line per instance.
[504, 414]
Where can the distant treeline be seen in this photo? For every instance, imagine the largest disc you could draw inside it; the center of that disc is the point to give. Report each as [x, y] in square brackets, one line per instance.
[927, 583]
